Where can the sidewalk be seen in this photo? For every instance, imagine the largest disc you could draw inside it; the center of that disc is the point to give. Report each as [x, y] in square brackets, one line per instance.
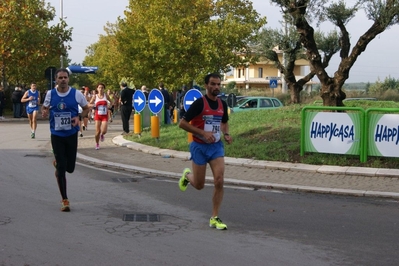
[118, 153]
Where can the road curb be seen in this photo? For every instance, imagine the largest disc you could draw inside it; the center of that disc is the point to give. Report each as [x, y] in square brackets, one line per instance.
[120, 141]
[323, 169]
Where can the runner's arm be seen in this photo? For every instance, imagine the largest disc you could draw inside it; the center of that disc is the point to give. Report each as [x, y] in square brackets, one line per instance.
[25, 98]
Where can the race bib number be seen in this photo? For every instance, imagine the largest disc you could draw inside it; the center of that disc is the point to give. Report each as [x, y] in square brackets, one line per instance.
[62, 121]
[102, 110]
[32, 103]
[212, 124]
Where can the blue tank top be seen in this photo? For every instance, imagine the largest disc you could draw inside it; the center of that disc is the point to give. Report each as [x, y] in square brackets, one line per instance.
[33, 103]
[62, 109]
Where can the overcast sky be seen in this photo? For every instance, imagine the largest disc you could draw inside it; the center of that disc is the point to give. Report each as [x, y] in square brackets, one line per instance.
[380, 60]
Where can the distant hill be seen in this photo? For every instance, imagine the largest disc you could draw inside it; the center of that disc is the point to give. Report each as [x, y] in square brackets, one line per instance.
[354, 86]
[359, 86]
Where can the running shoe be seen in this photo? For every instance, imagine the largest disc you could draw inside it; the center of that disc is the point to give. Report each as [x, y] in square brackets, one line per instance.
[65, 205]
[215, 222]
[84, 128]
[81, 135]
[102, 137]
[184, 181]
[97, 146]
[32, 135]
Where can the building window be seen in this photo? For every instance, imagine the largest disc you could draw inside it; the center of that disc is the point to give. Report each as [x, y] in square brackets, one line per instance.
[260, 72]
[239, 73]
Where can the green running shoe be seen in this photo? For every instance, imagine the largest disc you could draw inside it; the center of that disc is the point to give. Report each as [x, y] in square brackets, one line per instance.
[184, 181]
[215, 222]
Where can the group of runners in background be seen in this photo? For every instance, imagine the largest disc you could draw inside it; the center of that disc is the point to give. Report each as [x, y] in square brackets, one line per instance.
[102, 103]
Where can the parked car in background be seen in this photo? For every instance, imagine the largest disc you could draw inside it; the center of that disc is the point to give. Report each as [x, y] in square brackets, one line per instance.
[222, 97]
[229, 100]
[256, 103]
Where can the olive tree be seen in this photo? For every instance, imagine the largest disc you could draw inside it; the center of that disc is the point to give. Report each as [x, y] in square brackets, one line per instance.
[286, 40]
[382, 13]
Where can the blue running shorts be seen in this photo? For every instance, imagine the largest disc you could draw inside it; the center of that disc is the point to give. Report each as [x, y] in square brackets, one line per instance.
[202, 153]
[30, 110]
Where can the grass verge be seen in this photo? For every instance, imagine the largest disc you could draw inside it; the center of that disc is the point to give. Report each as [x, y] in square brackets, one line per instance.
[272, 135]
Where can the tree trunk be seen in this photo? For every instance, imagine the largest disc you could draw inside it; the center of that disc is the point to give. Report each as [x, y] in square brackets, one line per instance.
[332, 94]
[3, 78]
[295, 92]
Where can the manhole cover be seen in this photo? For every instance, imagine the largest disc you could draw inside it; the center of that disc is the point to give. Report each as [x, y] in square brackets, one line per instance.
[141, 217]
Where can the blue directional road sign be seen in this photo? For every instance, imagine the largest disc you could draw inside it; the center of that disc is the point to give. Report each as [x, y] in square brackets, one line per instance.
[273, 83]
[155, 101]
[138, 101]
[83, 69]
[190, 97]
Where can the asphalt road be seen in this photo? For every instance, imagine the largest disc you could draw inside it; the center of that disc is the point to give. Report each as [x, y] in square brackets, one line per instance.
[265, 227]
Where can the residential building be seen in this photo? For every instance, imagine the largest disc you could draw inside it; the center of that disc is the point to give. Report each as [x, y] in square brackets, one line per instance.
[259, 75]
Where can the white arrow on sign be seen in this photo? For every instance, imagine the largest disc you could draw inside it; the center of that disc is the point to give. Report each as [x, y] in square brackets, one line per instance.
[156, 101]
[191, 102]
[139, 100]
[89, 69]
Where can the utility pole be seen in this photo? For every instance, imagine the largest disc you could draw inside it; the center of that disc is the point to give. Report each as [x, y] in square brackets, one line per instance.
[61, 18]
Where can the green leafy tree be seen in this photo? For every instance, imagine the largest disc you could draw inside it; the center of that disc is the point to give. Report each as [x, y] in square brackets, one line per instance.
[231, 86]
[178, 41]
[106, 56]
[383, 14]
[380, 87]
[28, 45]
